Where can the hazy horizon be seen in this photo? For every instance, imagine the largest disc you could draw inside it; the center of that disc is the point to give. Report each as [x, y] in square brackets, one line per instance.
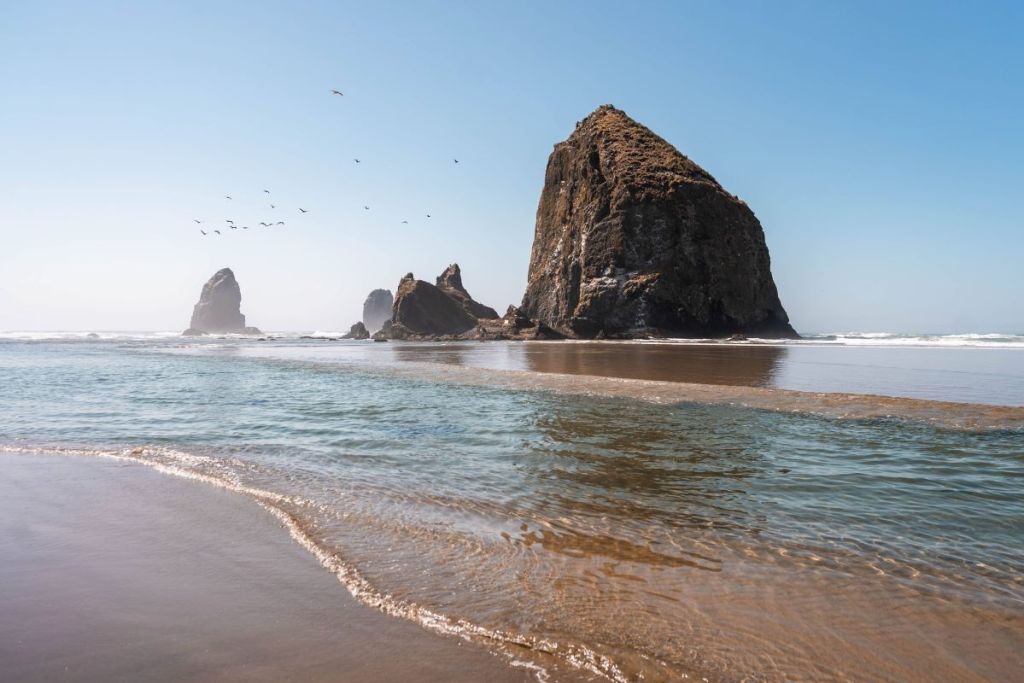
[878, 145]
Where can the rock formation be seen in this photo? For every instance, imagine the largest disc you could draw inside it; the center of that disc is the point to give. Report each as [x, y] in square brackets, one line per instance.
[423, 309]
[358, 330]
[218, 308]
[633, 238]
[377, 309]
[450, 282]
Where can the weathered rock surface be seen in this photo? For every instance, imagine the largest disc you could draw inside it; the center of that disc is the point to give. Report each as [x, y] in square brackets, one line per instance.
[633, 238]
[450, 282]
[423, 309]
[377, 309]
[219, 307]
[357, 331]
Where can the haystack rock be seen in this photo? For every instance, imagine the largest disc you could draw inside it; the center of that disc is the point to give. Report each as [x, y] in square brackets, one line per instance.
[218, 310]
[633, 238]
[425, 310]
[377, 309]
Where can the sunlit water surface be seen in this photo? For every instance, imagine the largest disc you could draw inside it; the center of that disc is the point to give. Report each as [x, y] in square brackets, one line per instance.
[611, 537]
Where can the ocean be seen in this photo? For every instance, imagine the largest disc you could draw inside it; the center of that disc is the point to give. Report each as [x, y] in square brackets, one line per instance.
[601, 511]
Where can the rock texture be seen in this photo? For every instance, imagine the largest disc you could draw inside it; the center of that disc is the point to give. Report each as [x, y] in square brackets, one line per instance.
[218, 309]
[358, 331]
[450, 282]
[423, 309]
[633, 238]
[377, 309]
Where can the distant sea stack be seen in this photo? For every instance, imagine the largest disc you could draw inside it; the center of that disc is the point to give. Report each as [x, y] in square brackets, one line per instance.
[634, 239]
[377, 309]
[218, 310]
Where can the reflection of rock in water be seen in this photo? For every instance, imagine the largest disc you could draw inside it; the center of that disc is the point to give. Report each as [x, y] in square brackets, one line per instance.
[737, 365]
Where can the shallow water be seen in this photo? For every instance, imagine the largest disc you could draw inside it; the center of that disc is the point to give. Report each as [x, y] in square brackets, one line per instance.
[613, 536]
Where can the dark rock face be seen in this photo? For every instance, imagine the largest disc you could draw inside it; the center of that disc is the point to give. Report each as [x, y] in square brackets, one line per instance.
[633, 238]
[358, 330]
[377, 309]
[423, 309]
[218, 309]
[450, 282]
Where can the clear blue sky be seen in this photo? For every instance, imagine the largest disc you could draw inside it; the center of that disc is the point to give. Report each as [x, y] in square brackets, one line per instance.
[880, 144]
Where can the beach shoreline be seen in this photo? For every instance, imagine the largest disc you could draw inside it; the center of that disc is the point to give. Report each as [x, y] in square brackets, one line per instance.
[114, 571]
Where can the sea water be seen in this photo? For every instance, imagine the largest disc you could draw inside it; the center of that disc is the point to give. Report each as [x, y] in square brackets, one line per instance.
[589, 534]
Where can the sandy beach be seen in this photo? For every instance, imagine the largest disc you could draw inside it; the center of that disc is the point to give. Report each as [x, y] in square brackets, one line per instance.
[114, 572]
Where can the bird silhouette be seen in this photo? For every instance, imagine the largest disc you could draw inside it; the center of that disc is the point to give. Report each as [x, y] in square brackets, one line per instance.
[267, 191]
[198, 222]
[358, 162]
[367, 208]
[245, 227]
[217, 231]
[233, 227]
[272, 206]
[337, 92]
[202, 231]
[405, 222]
[227, 197]
[280, 222]
[456, 161]
[303, 210]
[228, 220]
[428, 215]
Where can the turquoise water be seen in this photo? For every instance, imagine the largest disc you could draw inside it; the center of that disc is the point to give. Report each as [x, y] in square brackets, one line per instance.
[609, 538]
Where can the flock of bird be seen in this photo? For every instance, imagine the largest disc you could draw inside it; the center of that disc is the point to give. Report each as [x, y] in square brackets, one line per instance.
[230, 224]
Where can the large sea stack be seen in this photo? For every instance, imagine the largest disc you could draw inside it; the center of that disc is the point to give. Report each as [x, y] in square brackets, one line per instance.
[377, 309]
[218, 310]
[635, 239]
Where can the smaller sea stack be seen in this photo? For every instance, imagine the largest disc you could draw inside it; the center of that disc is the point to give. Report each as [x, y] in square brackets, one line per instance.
[219, 308]
[377, 309]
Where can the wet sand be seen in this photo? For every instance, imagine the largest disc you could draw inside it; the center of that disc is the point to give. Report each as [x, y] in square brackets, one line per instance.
[113, 571]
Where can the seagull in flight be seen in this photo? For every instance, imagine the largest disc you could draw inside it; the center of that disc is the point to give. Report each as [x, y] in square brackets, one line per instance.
[405, 222]
[456, 161]
[267, 191]
[233, 227]
[264, 224]
[337, 92]
[202, 231]
[303, 210]
[280, 222]
[227, 196]
[358, 162]
[245, 227]
[198, 222]
[272, 206]
[228, 220]
[428, 215]
[217, 231]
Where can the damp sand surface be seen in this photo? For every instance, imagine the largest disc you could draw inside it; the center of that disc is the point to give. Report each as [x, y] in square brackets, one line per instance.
[113, 571]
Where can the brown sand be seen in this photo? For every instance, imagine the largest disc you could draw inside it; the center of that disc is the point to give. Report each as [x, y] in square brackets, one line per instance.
[112, 571]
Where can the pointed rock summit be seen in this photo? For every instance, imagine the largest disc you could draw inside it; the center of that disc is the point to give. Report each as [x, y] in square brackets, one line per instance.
[218, 310]
[377, 309]
[633, 238]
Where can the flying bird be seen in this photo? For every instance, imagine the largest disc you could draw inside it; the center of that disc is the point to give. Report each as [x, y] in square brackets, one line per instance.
[198, 222]
[245, 227]
[272, 206]
[228, 220]
[337, 92]
[367, 208]
[280, 222]
[428, 215]
[264, 224]
[358, 162]
[456, 161]
[303, 210]
[267, 191]
[227, 196]
[202, 231]
[405, 222]
[233, 227]
[217, 231]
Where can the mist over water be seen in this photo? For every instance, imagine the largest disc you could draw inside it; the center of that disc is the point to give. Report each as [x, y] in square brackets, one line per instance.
[607, 537]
